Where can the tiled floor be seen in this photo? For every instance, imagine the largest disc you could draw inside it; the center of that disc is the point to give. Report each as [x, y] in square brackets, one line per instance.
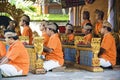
[72, 75]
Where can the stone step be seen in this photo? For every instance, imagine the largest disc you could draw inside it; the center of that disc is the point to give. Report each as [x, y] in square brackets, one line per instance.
[59, 69]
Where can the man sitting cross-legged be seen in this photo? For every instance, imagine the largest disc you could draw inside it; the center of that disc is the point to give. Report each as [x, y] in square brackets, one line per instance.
[107, 54]
[54, 55]
[16, 61]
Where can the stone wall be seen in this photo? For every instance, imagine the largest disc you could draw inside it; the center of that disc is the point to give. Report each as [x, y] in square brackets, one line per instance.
[98, 4]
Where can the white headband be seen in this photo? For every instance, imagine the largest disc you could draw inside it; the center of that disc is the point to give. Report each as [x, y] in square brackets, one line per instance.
[87, 27]
[10, 34]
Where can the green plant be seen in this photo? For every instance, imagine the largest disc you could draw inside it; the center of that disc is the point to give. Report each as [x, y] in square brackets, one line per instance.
[34, 11]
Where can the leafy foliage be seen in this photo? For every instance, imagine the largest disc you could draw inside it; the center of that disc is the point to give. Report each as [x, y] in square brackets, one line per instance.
[34, 11]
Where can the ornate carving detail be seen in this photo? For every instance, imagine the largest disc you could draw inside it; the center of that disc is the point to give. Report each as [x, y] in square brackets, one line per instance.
[38, 47]
[24, 39]
[11, 9]
[6, 7]
[95, 48]
[35, 53]
[95, 45]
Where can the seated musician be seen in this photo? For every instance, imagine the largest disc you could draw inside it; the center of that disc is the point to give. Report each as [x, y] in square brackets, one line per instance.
[2, 50]
[43, 30]
[86, 16]
[24, 22]
[54, 55]
[16, 61]
[88, 33]
[69, 33]
[99, 19]
[107, 54]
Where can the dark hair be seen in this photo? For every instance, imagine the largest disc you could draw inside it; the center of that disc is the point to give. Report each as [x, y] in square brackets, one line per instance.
[55, 24]
[57, 27]
[89, 24]
[87, 14]
[52, 29]
[71, 31]
[28, 19]
[70, 25]
[27, 23]
[14, 37]
[100, 13]
[109, 29]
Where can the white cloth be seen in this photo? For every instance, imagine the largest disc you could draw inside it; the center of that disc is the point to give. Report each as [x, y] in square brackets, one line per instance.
[104, 63]
[50, 64]
[9, 70]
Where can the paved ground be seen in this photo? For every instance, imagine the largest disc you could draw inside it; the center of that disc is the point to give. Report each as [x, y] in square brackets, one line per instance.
[72, 75]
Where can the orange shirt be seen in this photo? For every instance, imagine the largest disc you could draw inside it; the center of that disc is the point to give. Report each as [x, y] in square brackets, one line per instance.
[2, 50]
[57, 54]
[108, 43]
[27, 32]
[70, 37]
[88, 38]
[18, 56]
[98, 27]
[46, 38]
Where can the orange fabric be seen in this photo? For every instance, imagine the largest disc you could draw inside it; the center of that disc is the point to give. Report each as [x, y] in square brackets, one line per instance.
[98, 27]
[2, 50]
[46, 38]
[70, 37]
[27, 32]
[19, 57]
[88, 38]
[108, 43]
[57, 54]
